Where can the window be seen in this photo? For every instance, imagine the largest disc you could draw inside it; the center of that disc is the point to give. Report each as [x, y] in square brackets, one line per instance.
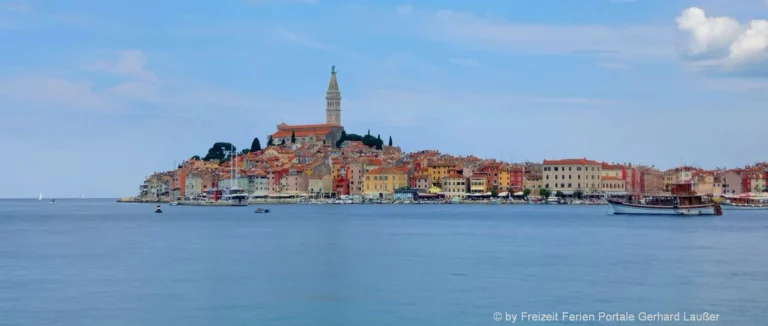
[569, 177]
[555, 177]
[546, 186]
[555, 168]
[569, 185]
[562, 185]
[569, 168]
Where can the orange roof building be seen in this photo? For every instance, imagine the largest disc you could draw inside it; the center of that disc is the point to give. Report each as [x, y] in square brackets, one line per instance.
[326, 133]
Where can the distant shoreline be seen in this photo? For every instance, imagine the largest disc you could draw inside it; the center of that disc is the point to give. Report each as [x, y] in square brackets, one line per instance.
[295, 201]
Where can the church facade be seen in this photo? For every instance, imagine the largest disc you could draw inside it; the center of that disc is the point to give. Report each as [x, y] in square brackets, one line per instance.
[325, 133]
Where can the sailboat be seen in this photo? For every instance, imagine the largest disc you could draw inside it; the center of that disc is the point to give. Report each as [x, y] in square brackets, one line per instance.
[236, 195]
[41, 196]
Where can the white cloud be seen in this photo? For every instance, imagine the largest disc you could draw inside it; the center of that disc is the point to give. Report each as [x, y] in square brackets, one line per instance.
[708, 34]
[723, 42]
[131, 63]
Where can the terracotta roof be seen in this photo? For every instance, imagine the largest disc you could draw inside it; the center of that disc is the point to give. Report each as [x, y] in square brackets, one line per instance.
[288, 127]
[479, 175]
[607, 166]
[421, 176]
[455, 176]
[577, 161]
[302, 133]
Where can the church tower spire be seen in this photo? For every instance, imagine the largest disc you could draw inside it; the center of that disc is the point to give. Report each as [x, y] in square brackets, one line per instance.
[333, 101]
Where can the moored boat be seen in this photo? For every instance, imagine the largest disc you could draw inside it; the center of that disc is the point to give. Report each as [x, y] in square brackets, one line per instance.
[748, 201]
[682, 201]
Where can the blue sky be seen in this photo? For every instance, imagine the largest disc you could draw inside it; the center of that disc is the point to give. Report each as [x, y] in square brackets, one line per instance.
[96, 95]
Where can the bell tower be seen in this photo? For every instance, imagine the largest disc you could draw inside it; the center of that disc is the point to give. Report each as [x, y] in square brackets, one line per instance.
[333, 101]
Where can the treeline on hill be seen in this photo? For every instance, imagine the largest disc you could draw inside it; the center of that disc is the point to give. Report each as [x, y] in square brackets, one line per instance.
[367, 140]
[222, 151]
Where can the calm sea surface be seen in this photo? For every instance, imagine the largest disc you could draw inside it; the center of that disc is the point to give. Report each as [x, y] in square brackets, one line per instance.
[96, 262]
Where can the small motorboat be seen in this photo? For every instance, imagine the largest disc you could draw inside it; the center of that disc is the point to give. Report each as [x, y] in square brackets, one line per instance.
[158, 209]
[173, 203]
[262, 210]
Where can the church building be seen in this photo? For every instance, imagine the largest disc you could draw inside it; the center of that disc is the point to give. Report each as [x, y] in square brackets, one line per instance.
[328, 132]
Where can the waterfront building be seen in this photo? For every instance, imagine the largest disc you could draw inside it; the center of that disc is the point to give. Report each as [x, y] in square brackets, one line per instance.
[194, 185]
[678, 175]
[258, 184]
[438, 170]
[455, 185]
[516, 178]
[533, 182]
[382, 182]
[321, 186]
[420, 181]
[478, 183]
[704, 183]
[571, 175]
[355, 174]
[613, 179]
[327, 133]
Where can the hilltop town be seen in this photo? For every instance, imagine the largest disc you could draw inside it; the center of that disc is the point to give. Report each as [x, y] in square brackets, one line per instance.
[324, 161]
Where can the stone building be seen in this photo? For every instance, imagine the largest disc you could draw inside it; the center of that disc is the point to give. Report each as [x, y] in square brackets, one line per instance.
[326, 133]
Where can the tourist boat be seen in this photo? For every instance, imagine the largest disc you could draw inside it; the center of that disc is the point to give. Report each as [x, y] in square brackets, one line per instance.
[682, 201]
[748, 201]
[53, 200]
[261, 210]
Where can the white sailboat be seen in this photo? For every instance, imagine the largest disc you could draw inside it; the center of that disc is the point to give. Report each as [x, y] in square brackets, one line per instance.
[236, 195]
[41, 196]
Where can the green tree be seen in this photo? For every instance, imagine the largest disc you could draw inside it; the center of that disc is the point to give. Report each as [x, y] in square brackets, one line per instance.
[245, 151]
[282, 142]
[218, 151]
[543, 192]
[559, 194]
[196, 157]
[293, 137]
[390, 141]
[578, 194]
[270, 142]
[256, 145]
[369, 132]
[494, 193]
[526, 192]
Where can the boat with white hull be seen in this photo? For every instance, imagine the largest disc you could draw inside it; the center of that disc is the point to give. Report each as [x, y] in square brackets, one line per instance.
[622, 208]
[682, 201]
[748, 201]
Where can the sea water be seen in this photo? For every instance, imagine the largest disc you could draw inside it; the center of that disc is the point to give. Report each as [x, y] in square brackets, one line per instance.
[97, 262]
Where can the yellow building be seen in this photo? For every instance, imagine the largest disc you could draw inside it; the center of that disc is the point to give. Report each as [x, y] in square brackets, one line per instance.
[382, 182]
[503, 179]
[439, 170]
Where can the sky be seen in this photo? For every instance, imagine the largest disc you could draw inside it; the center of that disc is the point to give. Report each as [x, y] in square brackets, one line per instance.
[96, 95]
